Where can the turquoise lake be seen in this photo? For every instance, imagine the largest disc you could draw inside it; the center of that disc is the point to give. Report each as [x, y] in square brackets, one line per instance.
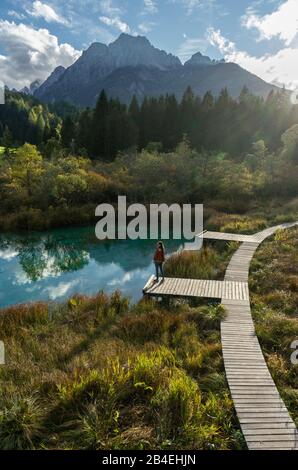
[57, 264]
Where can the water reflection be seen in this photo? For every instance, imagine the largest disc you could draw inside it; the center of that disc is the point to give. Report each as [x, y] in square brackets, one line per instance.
[45, 257]
[57, 264]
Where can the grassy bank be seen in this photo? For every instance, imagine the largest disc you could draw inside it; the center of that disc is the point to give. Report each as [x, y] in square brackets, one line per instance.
[274, 287]
[95, 373]
[209, 263]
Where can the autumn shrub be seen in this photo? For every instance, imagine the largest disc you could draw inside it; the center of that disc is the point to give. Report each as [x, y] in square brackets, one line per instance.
[177, 404]
[20, 423]
[13, 319]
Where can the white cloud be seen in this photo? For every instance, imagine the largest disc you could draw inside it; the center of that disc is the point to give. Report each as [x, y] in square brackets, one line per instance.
[191, 46]
[42, 10]
[108, 7]
[282, 23]
[192, 5]
[8, 254]
[150, 6]
[30, 53]
[61, 289]
[279, 68]
[16, 14]
[116, 23]
[146, 27]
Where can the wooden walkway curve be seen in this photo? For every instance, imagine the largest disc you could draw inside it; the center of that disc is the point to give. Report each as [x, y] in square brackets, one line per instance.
[263, 416]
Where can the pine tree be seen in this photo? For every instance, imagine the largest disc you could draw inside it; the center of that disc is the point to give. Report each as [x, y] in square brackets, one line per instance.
[100, 126]
[40, 128]
[172, 125]
[67, 131]
[7, 139]
[189, 112]
[134, 109]
[85, 135]
[208, 102]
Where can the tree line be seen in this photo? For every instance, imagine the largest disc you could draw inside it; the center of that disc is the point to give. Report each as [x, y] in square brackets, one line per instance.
[210, 123]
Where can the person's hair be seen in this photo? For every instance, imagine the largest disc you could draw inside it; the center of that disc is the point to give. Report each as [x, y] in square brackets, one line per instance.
[161, 245]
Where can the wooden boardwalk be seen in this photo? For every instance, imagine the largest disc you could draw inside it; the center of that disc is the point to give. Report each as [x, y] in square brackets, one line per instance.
[232, 237]
[176, 287]
[263, 416]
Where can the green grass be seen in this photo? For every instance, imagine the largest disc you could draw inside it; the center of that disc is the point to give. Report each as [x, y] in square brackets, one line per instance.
[100, 374]
[274, 287]
[209, 263]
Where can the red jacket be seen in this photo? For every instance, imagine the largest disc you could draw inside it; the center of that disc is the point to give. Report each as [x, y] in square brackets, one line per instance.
[159, 256]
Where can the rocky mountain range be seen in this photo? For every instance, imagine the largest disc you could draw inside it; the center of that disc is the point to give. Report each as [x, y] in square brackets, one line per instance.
[133, 66]
[32, 88]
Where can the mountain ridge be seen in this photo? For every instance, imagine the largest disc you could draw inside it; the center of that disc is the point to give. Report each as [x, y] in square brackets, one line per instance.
[131, 65]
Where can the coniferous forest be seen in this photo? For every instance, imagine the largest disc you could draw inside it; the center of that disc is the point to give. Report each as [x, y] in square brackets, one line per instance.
[210, 123]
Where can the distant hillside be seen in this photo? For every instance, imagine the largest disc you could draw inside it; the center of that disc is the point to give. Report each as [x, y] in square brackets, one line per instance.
[131, 65]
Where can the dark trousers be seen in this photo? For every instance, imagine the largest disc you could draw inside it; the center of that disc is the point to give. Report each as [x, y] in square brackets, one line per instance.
[159, 269]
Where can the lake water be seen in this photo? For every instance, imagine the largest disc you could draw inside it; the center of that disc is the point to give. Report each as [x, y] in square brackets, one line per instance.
[57, 264]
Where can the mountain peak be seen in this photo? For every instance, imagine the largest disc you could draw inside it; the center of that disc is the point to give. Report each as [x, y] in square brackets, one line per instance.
[199, 59]
[32, 88]
[58, 70]
[125, 38]
[130, 50]
[96, 47]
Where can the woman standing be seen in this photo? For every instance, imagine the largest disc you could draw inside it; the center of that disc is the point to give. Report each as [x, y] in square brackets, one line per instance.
[159, 259]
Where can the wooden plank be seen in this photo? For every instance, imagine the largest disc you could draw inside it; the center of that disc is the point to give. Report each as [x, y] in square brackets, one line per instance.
[262, 419]
[255, 434]
[250, 381]
[187, 287]
[228, 237]
[192, 288]
[260, 400]
[261, 407]
[148, 284]
[243, 330]
[176, 281]
[243, 354]
[178, 286]
[274, 446]
[264, 428]
[272, 437]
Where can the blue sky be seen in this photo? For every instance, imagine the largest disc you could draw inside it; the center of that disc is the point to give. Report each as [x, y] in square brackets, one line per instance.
[260, 35]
